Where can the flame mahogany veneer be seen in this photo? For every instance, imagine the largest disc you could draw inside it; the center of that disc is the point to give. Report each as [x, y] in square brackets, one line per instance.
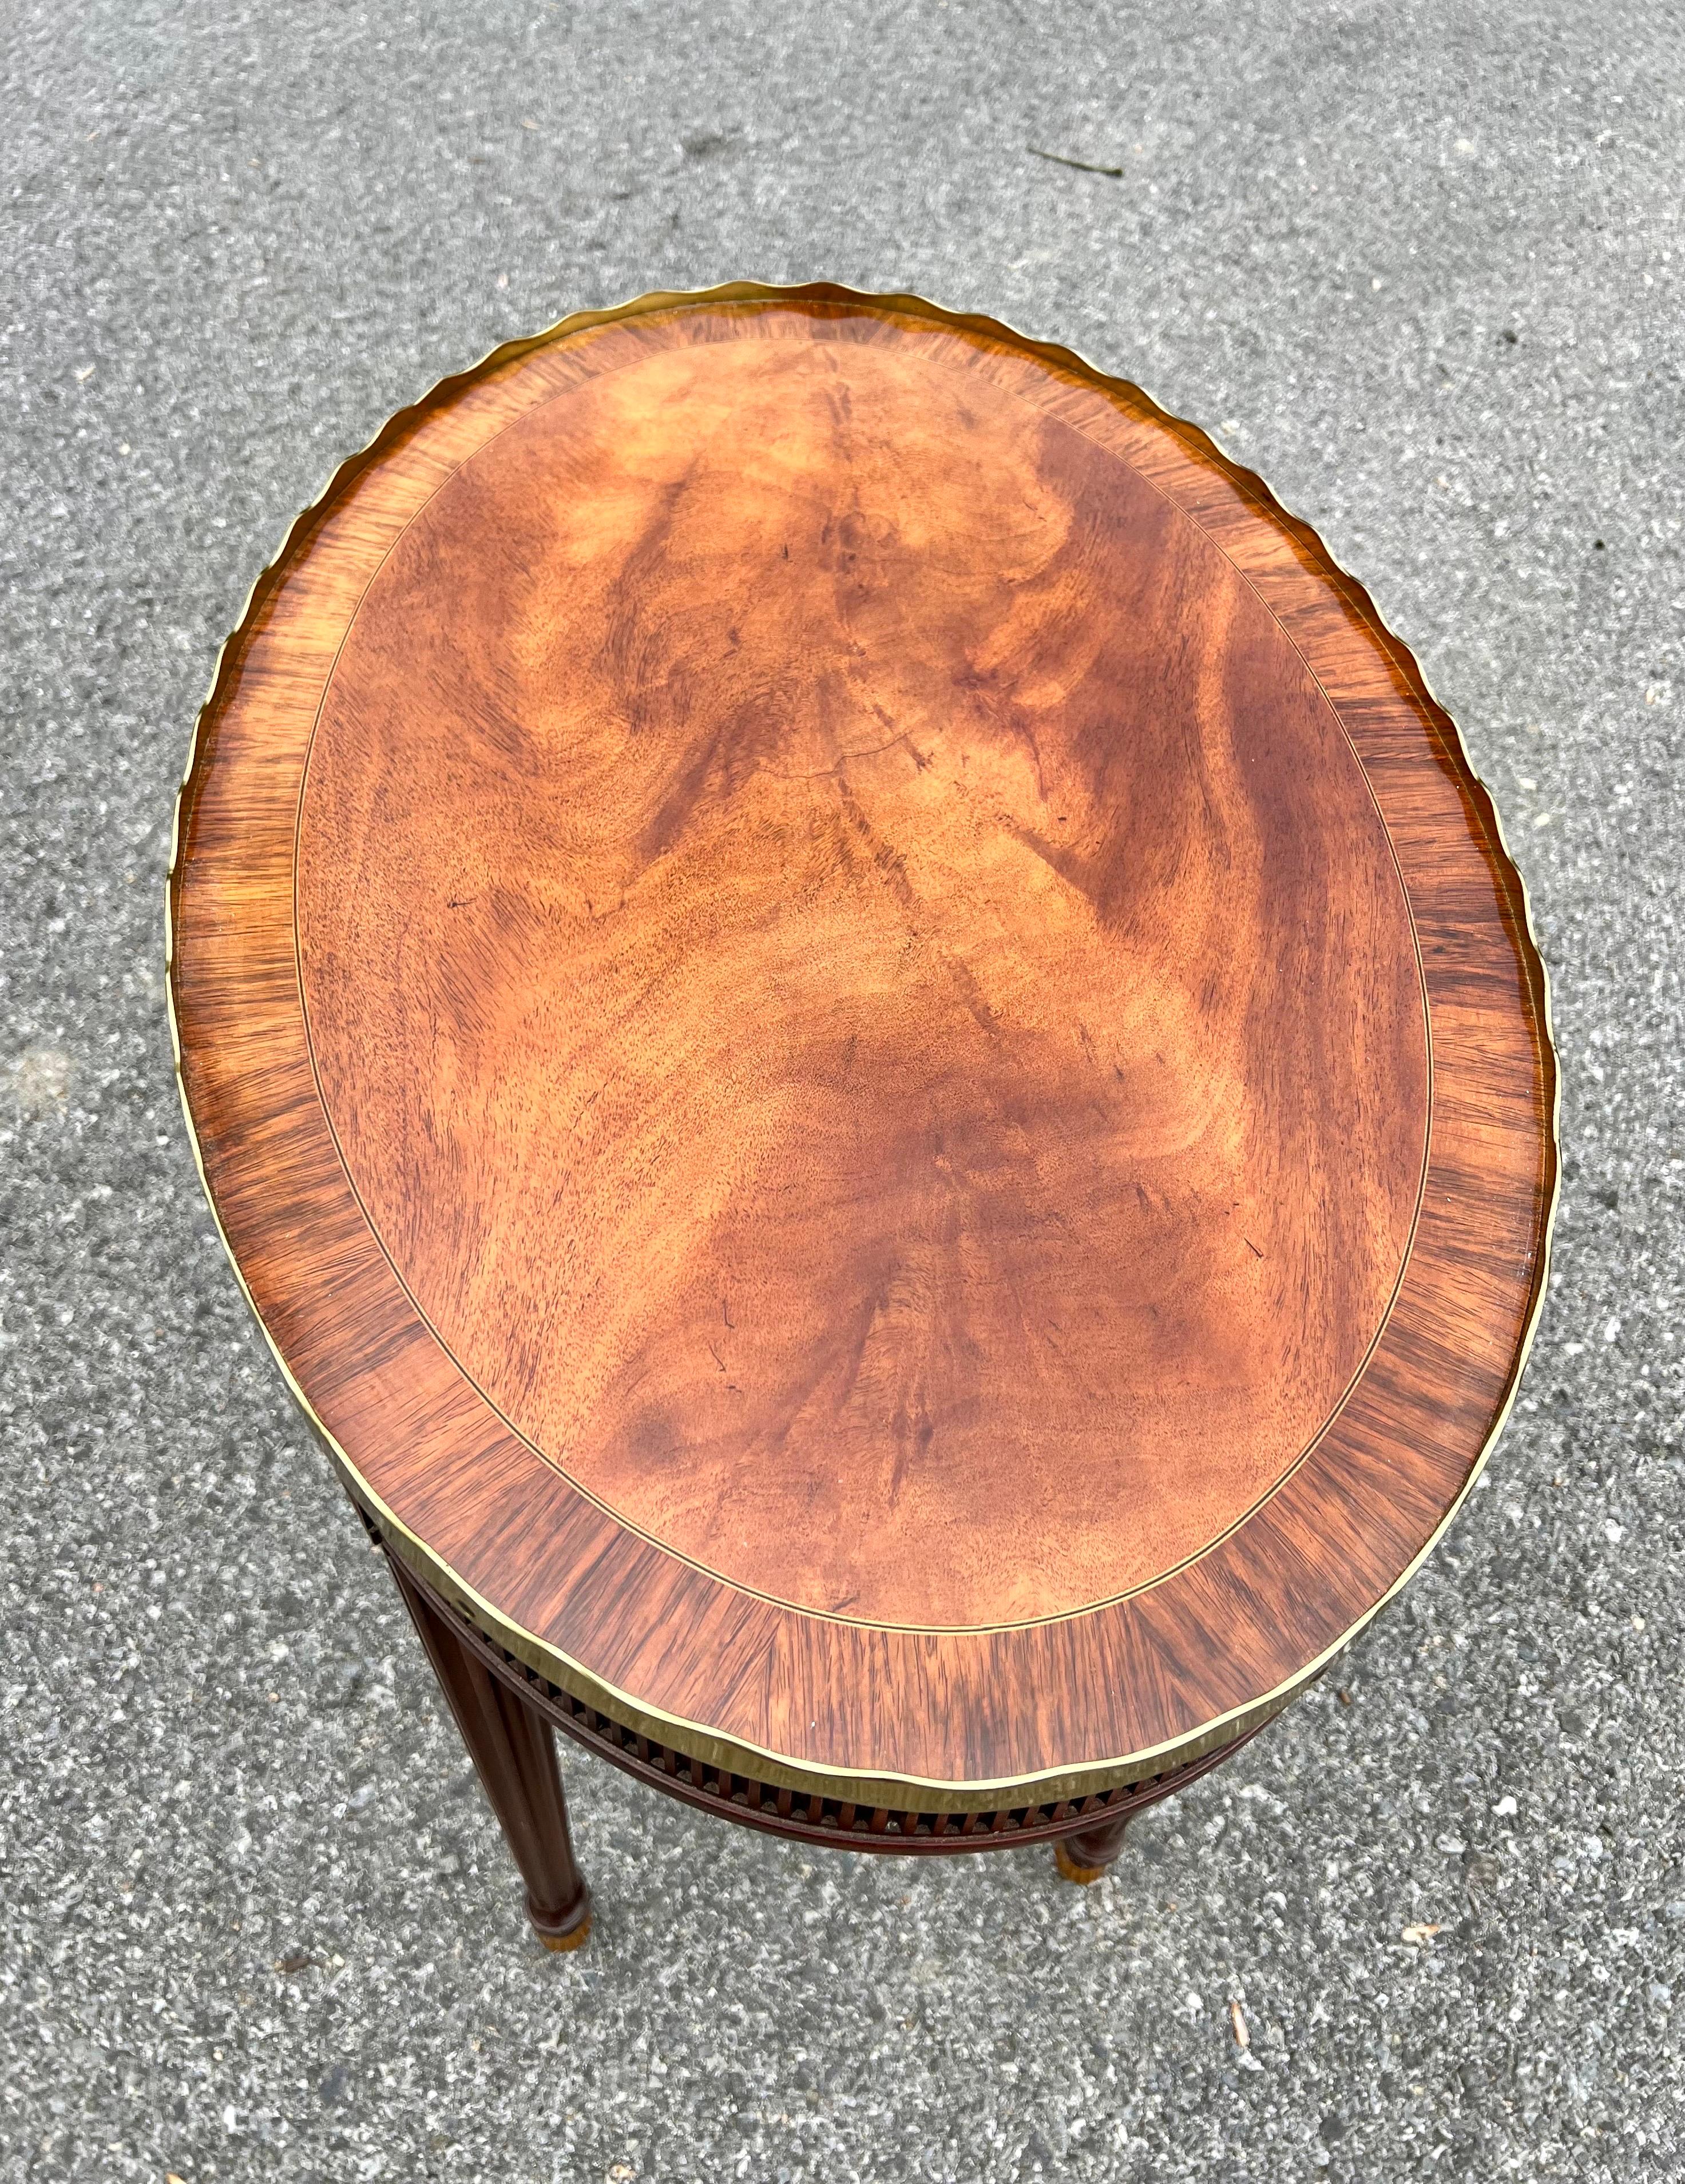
[866, 1048]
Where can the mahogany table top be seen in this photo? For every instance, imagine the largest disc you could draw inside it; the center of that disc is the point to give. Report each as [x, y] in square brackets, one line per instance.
[866, 1048]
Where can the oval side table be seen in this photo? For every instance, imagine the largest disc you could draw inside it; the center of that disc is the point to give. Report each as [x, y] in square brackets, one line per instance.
[872, 1061]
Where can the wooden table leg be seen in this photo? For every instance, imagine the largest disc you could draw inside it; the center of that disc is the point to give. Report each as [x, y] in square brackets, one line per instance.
[1088, 1857]
[514, 1754]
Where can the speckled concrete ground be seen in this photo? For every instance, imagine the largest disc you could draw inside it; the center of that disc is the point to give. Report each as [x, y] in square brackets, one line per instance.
[1421, 264]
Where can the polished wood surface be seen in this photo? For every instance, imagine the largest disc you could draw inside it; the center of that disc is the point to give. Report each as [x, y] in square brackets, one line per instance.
[810, 1815]
[510, 1743]
[865, 1044]
[850, 966]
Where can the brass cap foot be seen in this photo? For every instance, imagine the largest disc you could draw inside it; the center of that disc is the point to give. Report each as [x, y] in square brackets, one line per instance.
[571, 1931]
[561, 1943]
[1084, 1875]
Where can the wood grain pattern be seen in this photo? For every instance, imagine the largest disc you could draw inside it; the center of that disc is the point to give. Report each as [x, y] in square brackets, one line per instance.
[864, 1044]
[888, 1039]
[809, 1815]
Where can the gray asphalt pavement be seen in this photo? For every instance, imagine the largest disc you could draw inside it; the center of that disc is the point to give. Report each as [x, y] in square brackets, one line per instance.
[1421, 265]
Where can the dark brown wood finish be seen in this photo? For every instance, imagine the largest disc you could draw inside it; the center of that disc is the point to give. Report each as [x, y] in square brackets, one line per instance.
[868, 1051]
[514, 1755]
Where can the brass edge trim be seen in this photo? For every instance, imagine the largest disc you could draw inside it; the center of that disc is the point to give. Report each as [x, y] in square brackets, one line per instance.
[863, 1786]
[549, 1660]
[618, 1518]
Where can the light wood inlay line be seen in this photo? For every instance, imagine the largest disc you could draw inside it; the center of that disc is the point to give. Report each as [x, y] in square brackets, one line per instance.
[862, 1036]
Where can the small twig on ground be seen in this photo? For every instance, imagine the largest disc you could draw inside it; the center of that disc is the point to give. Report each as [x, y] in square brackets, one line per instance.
[1082, 166]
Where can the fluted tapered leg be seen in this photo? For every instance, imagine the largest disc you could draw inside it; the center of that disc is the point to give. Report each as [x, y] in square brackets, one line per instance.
[514, 1754]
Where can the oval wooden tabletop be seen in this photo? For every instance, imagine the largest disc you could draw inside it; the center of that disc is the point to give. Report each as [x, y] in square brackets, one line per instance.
[867, 1048]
